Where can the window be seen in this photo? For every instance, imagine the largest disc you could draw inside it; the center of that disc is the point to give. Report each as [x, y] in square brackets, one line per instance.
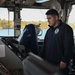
[6, 22]
[28, 16]
[35, 16]
[71, 20]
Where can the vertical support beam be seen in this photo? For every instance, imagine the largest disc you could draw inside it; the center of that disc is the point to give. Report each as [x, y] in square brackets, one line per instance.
[17, 21]
[65, 10]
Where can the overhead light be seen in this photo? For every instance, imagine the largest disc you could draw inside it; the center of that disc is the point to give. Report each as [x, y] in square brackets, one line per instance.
[41, 1]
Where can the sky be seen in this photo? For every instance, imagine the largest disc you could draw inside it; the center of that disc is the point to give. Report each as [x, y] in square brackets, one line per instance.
[32, 14]
[26, 14]
[72, 15]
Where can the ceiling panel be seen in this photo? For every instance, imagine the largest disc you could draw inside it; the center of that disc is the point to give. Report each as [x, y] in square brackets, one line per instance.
[30, 3]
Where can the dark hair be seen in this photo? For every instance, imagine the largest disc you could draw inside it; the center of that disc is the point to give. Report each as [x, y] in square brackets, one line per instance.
[52, 12]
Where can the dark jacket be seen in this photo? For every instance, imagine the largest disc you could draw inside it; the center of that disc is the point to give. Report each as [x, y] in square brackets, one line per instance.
[58, 44]
[29, 39]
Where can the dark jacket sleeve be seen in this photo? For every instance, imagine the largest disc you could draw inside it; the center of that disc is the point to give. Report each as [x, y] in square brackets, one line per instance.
[42, 51]
[68, 44]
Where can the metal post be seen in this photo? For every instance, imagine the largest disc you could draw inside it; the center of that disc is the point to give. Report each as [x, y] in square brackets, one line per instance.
[17, 21]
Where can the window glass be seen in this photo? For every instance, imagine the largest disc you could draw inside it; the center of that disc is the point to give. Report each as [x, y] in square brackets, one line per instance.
[35, 16]
[6, 22]
[71, 20]
[28, 16]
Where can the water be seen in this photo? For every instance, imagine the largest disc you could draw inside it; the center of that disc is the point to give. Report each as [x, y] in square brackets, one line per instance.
[7, 32]
[10, 32]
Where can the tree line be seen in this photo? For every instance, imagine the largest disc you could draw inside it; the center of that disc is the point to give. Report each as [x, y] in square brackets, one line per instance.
[5, 24]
